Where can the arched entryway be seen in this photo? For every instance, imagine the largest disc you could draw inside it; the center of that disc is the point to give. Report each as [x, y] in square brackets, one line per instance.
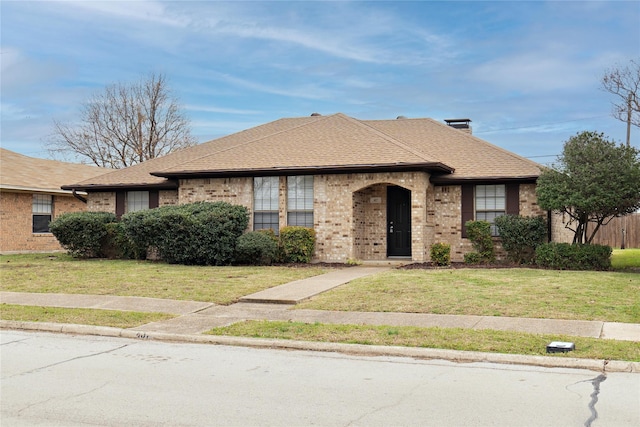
[381, 222]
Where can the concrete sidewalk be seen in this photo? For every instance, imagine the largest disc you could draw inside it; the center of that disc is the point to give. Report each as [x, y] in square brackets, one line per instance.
[276, 304]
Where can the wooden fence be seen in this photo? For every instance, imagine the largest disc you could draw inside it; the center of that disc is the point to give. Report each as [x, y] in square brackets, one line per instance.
[611, 234]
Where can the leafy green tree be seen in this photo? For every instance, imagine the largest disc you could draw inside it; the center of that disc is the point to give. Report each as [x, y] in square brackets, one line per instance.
[593, 181]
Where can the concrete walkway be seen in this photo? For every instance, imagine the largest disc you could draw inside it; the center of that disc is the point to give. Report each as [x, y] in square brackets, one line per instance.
[277, 304]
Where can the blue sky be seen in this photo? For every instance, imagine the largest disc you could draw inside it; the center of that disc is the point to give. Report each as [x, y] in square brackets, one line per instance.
[526, 73]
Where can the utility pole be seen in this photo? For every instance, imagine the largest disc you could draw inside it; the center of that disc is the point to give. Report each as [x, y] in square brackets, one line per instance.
[624, 218]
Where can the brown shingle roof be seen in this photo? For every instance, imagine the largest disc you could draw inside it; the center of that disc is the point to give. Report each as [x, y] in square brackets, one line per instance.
[472, 157]
[23, 173]
[331, 143]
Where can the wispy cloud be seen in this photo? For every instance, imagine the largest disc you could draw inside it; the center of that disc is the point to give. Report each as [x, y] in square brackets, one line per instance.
[515, 68]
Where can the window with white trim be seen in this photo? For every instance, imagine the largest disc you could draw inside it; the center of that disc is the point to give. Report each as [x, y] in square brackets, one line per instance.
[265, 203]
[42, 211]
[300, 200]
[137, 201]
[491, 202]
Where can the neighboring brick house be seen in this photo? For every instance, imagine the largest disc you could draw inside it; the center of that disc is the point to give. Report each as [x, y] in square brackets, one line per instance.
[371, 189]
[30, 197]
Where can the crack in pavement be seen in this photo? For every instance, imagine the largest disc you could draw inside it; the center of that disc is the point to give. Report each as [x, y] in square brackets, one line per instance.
[44, 402]
[14, 341]
[398, 402]
[66, 361]
[594, 398]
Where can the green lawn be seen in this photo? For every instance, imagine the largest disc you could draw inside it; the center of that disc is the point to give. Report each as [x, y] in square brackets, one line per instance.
[59, 273]
[622, 259]
[519, 292]
[607, 296]
[444, 338]
[80, 316]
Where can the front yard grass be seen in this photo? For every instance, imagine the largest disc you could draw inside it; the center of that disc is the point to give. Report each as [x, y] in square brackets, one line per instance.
[60, 273]
[80, 316]
[517, 292]
[606, 296]
[624, 259]
[443, 338]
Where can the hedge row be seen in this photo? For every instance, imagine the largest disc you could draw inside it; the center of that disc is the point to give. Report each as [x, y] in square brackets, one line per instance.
[563, 256]
[200, 233]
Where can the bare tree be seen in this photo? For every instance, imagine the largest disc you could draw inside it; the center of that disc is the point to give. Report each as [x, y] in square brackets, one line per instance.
[125, 125]
[624, 82]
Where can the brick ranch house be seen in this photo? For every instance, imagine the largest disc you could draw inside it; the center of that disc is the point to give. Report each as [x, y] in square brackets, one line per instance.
[30, 197]
[371, 189]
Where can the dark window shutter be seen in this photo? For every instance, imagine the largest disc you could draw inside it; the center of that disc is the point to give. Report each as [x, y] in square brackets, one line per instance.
[468, 209]
[120, 201]
[513, 199]
[154, 199]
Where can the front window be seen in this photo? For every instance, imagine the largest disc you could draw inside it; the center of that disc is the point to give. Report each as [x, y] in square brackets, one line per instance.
[265, 203]
[42, 211]
[490, 204]
[300, 201]
[137, 201]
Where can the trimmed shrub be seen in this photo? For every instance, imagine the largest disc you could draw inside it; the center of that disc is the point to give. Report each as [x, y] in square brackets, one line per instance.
[563, 256]
[116, 244]
[199, 233]
[521, 236]
[441, 254]
[479, 232]
[256, 248]
[472, 258]
[82, 234]
[139, 229]
[297, 243]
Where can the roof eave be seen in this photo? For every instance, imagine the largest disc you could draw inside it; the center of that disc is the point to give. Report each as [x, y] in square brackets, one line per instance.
[169, 185]
[453, 180]
[26, 189]
[434, 167]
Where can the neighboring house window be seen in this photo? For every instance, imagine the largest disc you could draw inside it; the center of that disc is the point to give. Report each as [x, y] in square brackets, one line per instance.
[132, 201]
[137, 201]
[488, 201]
[491, 202]
[265, 203]
[300, 200]
[42, 212]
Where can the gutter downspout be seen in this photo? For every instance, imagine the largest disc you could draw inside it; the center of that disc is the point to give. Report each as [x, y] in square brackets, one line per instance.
[79, 197]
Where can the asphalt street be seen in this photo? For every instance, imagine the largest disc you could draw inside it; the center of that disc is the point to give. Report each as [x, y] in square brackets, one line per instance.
[66, 380]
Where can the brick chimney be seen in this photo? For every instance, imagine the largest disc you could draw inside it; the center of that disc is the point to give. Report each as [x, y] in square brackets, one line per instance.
[460, 124]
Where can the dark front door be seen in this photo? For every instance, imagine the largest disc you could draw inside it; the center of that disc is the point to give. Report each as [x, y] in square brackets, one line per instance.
[398, 221]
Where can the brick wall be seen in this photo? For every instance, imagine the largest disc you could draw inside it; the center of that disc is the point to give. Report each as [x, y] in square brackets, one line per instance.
[101, 202]
[448, 223]
[350, 216]
[16, 222]
[447, 214]
[559, 232]
[529, 201]
[168, 197]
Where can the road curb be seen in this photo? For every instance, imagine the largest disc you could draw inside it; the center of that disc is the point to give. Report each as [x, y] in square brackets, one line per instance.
[353, 349]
